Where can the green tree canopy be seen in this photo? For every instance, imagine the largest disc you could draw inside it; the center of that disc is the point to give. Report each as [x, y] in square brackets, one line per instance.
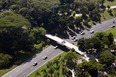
[5, 60]
[9, 19]
[14, 33]
[39, 10]
[87, 68]
[106, 58]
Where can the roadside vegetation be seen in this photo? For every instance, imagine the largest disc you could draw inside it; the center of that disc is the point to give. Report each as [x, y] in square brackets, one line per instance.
[99, 44]
[59, 66]
[97, 69]
[110, 2]
[113, 31]
[23, 24]
[17, 40]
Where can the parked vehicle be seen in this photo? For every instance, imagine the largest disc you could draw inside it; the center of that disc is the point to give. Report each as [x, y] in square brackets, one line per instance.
[92, 31]
[82, 33]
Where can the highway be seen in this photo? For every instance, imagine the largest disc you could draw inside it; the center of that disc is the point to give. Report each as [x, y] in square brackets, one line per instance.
[27, 68]
[103, 26]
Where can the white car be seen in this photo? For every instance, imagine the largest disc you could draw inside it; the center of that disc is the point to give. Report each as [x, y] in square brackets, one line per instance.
[35, 63]
[92, 31]
[55, 47]
[82, 33]
[75, 40]
[45, 57]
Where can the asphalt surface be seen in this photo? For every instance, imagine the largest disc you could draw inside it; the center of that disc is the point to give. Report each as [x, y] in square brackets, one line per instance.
[103, 26]
[27, 67]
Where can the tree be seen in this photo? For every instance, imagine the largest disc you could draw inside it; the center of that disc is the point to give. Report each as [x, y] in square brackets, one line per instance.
[87, 68]
[110, 11]
[23, 11]
[115, 12]
[113, 46]
[78, 20]
[18, 37]
[108, 7]
[106, 58]
[51, 71]
[14, 7]
[66, 1]
[110, 38]
[41, 14]
[56, 74]
[71, 56]
[5, 60]
[38, 32]
[95, 15]
[91, 5]
[7, 13]
[81, 43]
[84, 10]
[102, 2]
[37, 74]
[7, 3]
[15, 20]
[93, 44]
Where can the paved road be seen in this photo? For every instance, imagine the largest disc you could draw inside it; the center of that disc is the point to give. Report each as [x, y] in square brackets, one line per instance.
[27, 67]
[103, 26]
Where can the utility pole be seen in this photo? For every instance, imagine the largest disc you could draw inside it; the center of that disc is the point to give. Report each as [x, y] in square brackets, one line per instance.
[53, 6]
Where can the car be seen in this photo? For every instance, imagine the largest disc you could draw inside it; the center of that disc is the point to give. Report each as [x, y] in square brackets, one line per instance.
[73, 37]
[75, 40]
[63, 42]
[87, 29]
[112, 26]
[35, 63]
[55, 47]
[82, 33]
[45, 57]
[92, 31]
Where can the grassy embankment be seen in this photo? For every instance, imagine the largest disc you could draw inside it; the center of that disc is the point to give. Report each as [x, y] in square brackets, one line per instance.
[104, 16]
[113, 31]
[110, 3]
[44, 67]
